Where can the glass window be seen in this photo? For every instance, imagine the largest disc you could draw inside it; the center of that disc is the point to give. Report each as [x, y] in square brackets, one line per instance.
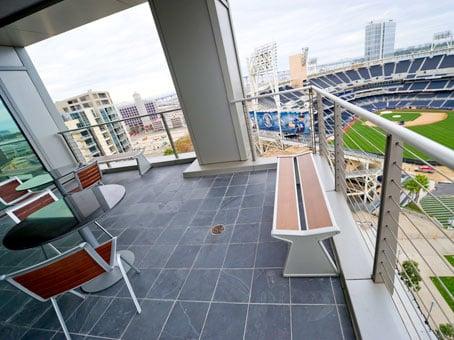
[17, 158]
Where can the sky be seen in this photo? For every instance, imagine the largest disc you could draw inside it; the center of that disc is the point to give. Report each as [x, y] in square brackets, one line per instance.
[122, 53]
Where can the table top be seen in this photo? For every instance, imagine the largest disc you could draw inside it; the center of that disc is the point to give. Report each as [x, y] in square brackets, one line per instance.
[35, 182]
[63, 216]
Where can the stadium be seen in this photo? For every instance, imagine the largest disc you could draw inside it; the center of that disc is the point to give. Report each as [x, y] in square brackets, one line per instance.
[415, 90]
[422, 84]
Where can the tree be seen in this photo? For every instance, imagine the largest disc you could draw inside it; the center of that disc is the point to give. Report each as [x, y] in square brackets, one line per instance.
[414, 185]
[410, 274]
[168, 151]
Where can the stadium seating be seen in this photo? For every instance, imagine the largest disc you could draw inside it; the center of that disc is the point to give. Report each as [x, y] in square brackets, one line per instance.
[421, 82]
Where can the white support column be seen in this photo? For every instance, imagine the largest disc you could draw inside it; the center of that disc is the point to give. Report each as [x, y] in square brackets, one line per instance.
[198, 41]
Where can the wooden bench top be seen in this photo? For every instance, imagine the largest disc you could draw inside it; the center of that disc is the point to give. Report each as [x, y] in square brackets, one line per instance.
[286, 205]
[315, 206]
[287, 215]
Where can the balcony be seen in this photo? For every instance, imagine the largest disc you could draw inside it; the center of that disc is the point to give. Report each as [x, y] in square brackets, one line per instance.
[394, 242]
[193, 283]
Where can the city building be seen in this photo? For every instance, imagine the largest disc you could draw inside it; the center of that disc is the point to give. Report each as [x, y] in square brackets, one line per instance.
[141, 108]
[298, 68]
[94, 108]
[380, 38]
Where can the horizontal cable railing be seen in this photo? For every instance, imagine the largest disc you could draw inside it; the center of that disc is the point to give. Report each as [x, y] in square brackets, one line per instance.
[407, 226]
[157, 134]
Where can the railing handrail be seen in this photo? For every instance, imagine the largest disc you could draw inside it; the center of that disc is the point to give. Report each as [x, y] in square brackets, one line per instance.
[161, 113]
[438, 152]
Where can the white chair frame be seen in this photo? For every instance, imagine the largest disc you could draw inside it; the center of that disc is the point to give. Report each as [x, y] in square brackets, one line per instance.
[14, 178]
[13, 216]
[115, 261]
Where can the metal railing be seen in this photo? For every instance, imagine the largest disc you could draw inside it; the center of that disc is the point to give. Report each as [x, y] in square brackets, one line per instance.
[407, 240]
[159, 138]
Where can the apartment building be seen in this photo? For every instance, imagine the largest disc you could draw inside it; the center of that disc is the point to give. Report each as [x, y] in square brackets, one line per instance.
[94, 109]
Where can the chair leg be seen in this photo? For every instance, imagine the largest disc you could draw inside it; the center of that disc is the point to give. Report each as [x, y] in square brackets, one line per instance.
[137, 270]
[76, 293]
[60, 318]
[128, 284]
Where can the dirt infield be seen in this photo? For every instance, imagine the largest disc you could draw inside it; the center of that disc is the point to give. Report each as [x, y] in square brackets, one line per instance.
[425, 118]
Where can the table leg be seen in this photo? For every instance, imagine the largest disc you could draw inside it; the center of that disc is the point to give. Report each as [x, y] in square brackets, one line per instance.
[106, 280]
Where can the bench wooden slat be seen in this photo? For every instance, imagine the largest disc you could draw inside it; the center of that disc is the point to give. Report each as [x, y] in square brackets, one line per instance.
[315, 207]
[287, 212]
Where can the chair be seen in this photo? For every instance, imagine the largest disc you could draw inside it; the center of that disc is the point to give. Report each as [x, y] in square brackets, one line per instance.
[8, 193]
[23, 209]
[88, 176]
[64, 273]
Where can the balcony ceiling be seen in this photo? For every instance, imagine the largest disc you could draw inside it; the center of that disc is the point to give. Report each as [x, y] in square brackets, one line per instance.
[25, 22]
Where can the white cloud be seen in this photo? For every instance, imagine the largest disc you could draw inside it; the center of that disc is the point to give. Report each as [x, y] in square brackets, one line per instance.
[122, 53]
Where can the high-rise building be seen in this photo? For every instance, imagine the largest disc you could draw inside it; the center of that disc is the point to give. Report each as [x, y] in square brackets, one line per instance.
[137, 108]
[380, 39]
[93, 108]
[298, 68]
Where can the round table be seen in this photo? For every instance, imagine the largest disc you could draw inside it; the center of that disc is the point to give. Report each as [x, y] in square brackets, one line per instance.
[72, 213]
[36, 183]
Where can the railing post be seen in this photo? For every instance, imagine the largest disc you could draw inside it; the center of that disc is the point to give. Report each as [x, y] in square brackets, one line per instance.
[339, 160]
[249, 132]
[321, 128]
[169, 135]
[388, 220]
[311, 115]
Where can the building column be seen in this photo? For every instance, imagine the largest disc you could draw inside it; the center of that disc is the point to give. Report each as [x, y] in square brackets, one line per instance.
[198, 41]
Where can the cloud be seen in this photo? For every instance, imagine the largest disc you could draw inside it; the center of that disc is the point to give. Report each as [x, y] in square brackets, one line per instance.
[122, 53]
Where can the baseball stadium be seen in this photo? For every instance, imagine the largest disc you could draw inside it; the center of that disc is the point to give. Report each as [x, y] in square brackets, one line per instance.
[414, 90]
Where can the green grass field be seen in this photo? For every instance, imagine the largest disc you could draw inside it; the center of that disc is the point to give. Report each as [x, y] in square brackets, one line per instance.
[450, 259]
[441, 132]
[404, 116]
[448, 282]
[435, 209]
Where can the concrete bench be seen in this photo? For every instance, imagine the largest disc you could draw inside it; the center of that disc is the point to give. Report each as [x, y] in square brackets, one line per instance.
[298, 187]
[142, 163]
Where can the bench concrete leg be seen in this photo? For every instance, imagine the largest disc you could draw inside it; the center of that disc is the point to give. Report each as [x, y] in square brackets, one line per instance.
[143, 164]
[307, 256]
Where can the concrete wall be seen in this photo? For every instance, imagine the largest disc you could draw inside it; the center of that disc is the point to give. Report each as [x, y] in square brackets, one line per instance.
[31, 105]
[198, 41]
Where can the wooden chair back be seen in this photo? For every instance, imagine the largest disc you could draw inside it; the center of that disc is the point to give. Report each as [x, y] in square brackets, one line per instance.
[8, 193]
[21, 211]
[89, 175]
[65, 272]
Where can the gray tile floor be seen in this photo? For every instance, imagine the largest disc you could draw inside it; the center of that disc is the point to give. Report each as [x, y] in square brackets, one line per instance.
[193, 284]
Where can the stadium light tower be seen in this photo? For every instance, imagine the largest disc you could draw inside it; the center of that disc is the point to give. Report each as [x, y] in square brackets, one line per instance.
[262, 67]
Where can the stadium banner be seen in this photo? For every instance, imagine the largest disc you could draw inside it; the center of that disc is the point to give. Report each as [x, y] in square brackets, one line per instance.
[292, 122]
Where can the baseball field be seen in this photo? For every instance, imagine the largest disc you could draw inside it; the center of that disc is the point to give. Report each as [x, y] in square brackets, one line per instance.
[436, 125]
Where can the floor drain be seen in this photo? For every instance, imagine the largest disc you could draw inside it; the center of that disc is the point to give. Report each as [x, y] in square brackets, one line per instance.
[217, 229]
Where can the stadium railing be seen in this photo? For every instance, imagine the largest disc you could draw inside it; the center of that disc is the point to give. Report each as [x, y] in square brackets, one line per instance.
[408, 227]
